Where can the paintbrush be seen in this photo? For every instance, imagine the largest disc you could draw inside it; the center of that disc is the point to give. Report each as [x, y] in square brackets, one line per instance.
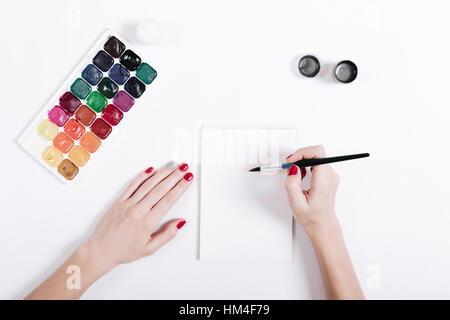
[309, 162]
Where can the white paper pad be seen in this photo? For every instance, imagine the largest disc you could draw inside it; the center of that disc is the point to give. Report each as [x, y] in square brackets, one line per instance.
[244, 215]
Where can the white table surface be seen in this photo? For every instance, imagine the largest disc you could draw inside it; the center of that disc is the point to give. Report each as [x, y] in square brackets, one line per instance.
[234, 62]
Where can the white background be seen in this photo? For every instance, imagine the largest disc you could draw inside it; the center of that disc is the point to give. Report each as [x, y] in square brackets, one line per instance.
[234, 62]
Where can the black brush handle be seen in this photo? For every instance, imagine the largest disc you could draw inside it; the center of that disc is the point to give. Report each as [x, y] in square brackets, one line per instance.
[319, 161]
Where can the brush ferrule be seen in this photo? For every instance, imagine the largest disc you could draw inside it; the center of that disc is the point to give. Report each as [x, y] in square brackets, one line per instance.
[270, 169]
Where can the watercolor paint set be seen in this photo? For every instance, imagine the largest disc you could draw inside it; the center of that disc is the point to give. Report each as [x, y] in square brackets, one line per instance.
[92, 103]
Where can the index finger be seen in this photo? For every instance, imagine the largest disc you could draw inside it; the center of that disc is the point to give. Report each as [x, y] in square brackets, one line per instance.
[170, 198]
[307, 153]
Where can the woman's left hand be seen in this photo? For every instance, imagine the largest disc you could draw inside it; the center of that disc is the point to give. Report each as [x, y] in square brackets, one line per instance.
[130, 229]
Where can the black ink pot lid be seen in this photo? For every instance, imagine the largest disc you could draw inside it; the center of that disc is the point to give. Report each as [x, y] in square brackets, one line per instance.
[345, 71]
[309, 66]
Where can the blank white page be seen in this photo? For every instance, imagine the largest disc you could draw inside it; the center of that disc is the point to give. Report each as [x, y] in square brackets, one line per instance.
[244, 215]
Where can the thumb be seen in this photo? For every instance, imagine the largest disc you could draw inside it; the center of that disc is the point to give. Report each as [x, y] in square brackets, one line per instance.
[296, 197]
[164, 235]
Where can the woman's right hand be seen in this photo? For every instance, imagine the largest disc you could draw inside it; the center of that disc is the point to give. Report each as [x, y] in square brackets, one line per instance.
[313, 209]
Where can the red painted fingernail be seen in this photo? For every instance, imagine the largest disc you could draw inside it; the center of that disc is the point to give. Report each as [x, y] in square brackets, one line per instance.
[188, 176]
[293, 170]
[149, 170]
[289, 156]
[181, 224]
[183, 167]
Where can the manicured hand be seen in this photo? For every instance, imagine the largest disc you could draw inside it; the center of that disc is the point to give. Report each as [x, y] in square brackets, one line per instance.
[313, 208]
[130, 229]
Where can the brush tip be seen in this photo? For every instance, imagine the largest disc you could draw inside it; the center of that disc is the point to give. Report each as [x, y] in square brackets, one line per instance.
[255, 169]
